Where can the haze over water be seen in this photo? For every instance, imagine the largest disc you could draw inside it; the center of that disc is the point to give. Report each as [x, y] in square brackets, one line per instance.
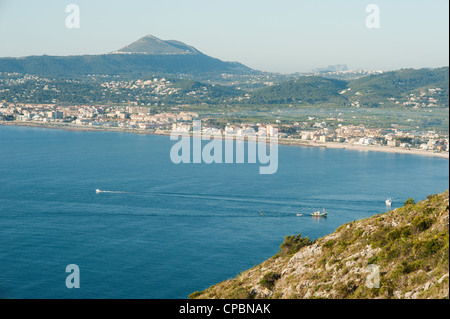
[163, 230]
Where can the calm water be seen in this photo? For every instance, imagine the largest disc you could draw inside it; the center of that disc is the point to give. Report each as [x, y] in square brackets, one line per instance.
[166, 230]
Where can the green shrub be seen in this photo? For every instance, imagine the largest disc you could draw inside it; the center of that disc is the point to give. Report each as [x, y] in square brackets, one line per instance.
[358, 233]
[195, 294]
[394, 235]
[409, 201]
[329, 244]
[241, 293]
[393, 252]
[379, 238]
[387, 287]
[269, 279]
[342, 246]
[372, 260]
[422, 223]
[346, 289]
[432, 246]
[293, 244]
[408, 267]
[406, 231]
[433, 198]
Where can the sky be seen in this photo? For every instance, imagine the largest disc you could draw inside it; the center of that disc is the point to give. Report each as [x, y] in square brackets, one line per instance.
[283, 36]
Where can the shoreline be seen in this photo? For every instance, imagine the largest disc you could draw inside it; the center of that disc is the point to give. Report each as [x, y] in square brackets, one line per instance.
[286, 142]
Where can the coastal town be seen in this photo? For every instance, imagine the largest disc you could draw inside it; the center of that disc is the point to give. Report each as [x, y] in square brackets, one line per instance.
[312, 132]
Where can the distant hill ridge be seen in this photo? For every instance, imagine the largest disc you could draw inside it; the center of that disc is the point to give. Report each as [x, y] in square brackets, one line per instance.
[380, 90]
[148, 55]
[153, 45]
[151, 56]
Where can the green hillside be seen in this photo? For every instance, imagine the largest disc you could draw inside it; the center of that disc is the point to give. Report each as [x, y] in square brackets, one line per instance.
[132, 65]
[85, 91]
[409, 247]
[372, 90]
[306, 90]
[409, 87]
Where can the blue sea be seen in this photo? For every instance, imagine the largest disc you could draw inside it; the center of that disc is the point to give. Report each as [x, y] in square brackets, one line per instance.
[162, 230]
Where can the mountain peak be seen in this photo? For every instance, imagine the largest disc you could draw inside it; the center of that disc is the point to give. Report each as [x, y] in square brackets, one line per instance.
[152, 45]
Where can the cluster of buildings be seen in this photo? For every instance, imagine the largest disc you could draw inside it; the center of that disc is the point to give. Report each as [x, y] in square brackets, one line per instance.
[127, 117]
[360, 135]
[423, 99]
[427, 98]
[156, 86]
[142, 118]
[231, 130]
[17, 88]
[349, 134]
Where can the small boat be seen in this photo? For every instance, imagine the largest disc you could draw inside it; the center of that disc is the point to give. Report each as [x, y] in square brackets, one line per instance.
[388, 202]
[299, 215]
[97, 191]
[319, 213]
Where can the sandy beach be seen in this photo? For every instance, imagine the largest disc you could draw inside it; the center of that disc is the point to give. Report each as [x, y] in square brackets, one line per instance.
[374, 148]
[288, 142]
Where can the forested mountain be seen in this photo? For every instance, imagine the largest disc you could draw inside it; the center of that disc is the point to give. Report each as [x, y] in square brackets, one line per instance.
[152, 45]
[148, 55]
[119, 64]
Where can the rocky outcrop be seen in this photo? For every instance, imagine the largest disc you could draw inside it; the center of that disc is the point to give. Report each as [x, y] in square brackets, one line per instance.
[401, 254]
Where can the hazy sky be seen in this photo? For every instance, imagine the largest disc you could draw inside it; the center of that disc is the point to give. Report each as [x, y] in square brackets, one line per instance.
[280, 36]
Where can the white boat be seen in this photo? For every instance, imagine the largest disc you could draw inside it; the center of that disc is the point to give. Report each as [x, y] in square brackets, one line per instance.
[388, 202]
[319, 213]
[98, 191]
[299, 215]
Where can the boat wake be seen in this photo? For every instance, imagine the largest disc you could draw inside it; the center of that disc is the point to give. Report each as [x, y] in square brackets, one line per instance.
[98, 191]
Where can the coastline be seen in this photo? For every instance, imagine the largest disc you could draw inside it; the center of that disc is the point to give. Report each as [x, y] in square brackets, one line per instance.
[354, 147]
[286, 142]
